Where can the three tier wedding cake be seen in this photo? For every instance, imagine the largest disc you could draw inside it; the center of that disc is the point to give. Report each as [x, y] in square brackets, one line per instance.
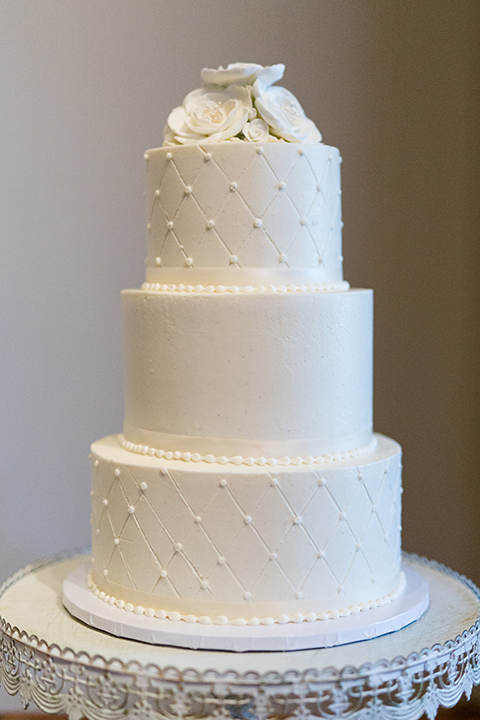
[247, 487]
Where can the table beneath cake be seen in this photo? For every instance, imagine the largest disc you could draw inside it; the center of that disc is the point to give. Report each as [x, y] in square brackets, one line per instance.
[62, 665]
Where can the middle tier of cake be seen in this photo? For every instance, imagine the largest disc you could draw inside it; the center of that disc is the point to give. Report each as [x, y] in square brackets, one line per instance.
[253, 377]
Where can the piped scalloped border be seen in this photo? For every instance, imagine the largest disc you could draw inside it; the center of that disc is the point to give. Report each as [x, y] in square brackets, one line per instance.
[247, 289]
[253, 621]
[240, 460]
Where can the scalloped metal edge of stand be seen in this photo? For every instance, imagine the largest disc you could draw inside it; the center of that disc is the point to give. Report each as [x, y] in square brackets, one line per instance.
[59, 680]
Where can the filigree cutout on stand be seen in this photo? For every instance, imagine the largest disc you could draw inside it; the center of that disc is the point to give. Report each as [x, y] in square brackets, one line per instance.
[59, 681]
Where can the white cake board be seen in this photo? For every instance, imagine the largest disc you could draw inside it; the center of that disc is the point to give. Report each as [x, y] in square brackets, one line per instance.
[84, 605]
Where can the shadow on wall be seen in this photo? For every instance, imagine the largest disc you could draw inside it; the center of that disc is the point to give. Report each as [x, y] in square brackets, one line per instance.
[415, 211]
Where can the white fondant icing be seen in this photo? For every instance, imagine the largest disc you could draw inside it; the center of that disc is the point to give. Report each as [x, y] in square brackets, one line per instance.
[282, 375]
[258, 221]
[272, 556]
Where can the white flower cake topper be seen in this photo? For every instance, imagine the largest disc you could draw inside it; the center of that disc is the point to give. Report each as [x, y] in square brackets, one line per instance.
[242, 74]
[240, 104]
[282, 111]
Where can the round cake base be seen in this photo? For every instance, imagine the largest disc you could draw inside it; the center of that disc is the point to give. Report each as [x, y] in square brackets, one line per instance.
[83, 604]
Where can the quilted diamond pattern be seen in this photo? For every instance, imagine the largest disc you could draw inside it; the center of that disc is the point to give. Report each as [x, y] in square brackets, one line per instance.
[256, 198]
[234, 535]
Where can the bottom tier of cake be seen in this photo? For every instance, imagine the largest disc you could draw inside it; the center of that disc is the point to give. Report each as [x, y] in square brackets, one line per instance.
[207, 542]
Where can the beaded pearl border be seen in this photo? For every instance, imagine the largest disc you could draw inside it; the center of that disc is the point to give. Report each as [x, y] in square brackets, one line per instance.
[239, 460]
[247, 289]
[223, 620]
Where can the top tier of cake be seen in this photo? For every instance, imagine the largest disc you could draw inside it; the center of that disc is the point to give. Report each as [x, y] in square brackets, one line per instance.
[244, 213]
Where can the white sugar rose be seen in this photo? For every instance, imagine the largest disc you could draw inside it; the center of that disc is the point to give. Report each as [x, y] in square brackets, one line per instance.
[242, 74]
[209, 114]
[282, 111]
[257, 131]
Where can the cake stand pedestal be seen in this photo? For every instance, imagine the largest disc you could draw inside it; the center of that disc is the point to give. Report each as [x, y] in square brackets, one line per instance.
[62, 665]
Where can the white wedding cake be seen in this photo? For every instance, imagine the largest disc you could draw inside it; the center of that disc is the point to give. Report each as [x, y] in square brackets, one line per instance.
[247, 486]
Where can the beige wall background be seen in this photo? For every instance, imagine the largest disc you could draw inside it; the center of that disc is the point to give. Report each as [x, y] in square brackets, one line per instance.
[85, 88]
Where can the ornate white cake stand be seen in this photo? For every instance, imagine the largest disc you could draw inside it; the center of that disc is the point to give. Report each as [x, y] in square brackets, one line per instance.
[63, 665]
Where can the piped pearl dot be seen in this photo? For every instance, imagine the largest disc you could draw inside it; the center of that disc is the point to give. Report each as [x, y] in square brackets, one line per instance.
[247, 595]
[146, 156]
[177, 547]
[116, 541]
[233, 186]
[259, 150]
[208, 156]
[301, 151]
[233, 259]
[116, 472]
[198, 519]
[299, 595]
[297, 520]
[320, 260]
[131, 509]
[223, 483]
[188, 190]
[257, 223]
[170, 224]
[143, 486]
[210, 224]
[169, 156]
[247, 519]
[163, 573]
[342, 516]
[340, 589]
[274, 482]
[221, 560]
[105, 572]
[282, 258]
[281, 186]
[321, 482]
[303, 221]
[158, 261]
[204, 584]
[95, 463]
[105, 502]
[358, 547]
[320, 554]
[157, 192]
[319, 187]
[273, 556]
[189, 262]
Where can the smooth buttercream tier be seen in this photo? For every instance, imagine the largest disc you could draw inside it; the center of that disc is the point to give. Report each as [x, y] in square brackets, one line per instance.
[262, 213]
[269, 375]
[206, 540]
